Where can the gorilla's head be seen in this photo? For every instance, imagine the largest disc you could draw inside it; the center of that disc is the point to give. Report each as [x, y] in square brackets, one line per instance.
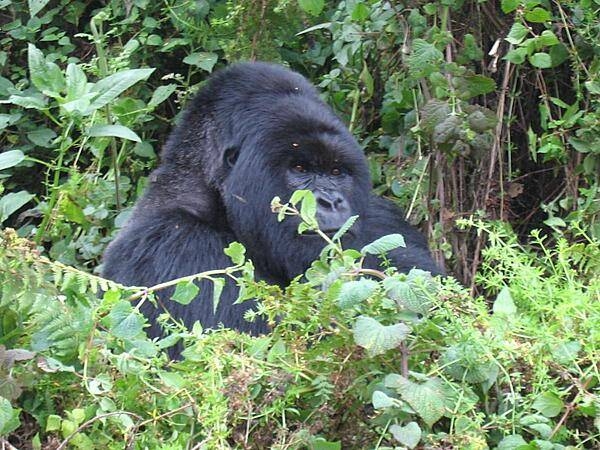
[256, 131]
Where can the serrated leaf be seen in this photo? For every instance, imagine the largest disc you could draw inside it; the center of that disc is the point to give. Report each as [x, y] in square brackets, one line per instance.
[344, 228]
[538, 15]
[11, 158]
[11, 202]
[517, 55]
[504, 304]
[119, 131]
[509, 5]
[109, 88]
[548, 404]
[236, 252]
[185, 292]
[383, 245]
[406, 296]
[427, 399]
[376, 338]
[313, 7]
[541, 60]
[424, 58]
[124, 321]
[353, 293]
[517, 33]
[204, 60]
[408, 435]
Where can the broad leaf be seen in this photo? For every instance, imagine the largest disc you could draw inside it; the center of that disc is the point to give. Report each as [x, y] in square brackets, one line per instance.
[124, 321]
[408, 435]
[12, 202]
[119, 131]
[383, 245]
[109, 88]
[353, 293]
[185, 292]
[11, 158]
[427, 399]
[376, 338]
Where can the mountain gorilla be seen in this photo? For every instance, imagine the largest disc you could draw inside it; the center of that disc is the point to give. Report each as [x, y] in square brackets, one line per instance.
[253, 132]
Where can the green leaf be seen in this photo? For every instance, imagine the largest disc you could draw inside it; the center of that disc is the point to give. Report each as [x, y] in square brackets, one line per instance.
[517, 33]
[504, 304]
[35, 6]
[509, 5]
[119, 131]
[161, 94]
[356, 292]
[541, 60]
[218, 285]
[12, 202]
[344, 228]
[548, 404]
[124, 321]
[512, 442]
[76, 82]
[408, 435]
[538, 15]
[381, 400]
[236, 252]
[320, 444]
[427, 399]
[185, 292]
[377, 338]
[109, 88]
[9, 417]
[42, 137]
[360, 12]
[424, 58]
[547, 38]
[28, 102]
[204, 60]
[172, 379]
[407, 295]
[11, 158]
[555, 222]
[46, 76]
[517, 55]
[313, 7]
[319, 26]
[383, 245]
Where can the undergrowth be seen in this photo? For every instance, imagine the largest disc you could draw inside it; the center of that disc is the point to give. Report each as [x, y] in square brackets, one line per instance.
[357, 359]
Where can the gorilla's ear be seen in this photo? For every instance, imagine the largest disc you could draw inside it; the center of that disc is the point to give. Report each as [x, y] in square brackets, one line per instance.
[230, 156]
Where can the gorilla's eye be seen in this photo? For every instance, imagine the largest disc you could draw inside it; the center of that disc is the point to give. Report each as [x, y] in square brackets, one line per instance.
[231, 156]
[335, 171]
[300, 168]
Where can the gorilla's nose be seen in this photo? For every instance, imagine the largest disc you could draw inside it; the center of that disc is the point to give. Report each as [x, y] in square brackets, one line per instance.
[332, 210]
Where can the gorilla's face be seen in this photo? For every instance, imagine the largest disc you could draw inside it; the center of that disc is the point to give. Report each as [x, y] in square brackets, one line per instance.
[287, 155]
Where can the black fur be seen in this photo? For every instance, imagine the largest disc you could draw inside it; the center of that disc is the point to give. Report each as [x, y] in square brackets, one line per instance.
[236, 147]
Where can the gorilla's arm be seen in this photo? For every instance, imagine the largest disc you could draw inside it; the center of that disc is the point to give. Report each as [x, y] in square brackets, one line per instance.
[166, 246]
[383, 217]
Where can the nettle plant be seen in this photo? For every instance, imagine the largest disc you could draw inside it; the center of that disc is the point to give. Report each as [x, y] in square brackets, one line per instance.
[93, 122]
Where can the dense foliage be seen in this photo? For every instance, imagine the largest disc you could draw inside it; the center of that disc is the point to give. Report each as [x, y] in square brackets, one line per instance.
[474, 114]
